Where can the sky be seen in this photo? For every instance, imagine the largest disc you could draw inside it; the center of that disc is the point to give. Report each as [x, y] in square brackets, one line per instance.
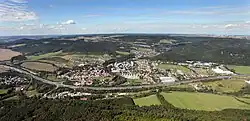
[54, 17]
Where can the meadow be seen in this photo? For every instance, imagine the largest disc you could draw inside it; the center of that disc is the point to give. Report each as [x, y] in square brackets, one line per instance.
[3, 91]
[231, 85]
[240, 69]
[37, 57]
[147, 101]
[203, 101]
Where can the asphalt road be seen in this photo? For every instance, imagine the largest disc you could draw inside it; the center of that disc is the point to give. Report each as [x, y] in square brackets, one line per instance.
[58, 84]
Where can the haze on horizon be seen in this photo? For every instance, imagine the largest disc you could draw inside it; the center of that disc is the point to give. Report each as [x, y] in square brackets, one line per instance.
[53, 17]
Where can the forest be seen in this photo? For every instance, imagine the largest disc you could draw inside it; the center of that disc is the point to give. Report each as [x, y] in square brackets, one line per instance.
[122, 109]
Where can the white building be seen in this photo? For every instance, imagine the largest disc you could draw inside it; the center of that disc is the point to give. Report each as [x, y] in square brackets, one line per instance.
[248, 82]
[220, 71]
[167, 79]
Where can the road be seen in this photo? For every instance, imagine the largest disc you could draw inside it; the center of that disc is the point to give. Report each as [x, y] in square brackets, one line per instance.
[58, 84]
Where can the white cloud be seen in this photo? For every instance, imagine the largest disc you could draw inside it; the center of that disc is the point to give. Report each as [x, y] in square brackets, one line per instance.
[68, 22]
[16, 10]
[18, 1]
[219, 10]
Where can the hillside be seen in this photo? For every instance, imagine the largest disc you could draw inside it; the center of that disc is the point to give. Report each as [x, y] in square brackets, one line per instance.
[227, 51]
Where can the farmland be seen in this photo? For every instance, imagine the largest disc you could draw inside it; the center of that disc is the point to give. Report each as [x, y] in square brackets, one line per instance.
[38, 66]
[7, 54]
[226, 85]
[240, 69]
[3, 69]
[203, 101]
[147, 101]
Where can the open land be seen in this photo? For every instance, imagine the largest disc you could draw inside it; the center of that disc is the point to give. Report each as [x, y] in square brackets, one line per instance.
[203, 101]
[147, 101]
[38, 66]
[7, 54]
[240, 69]
[226, 85]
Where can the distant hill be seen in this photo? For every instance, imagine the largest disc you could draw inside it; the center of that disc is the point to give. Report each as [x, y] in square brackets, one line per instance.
[222, 50]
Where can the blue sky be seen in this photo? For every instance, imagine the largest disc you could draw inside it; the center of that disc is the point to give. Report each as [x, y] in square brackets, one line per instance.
[33, 17]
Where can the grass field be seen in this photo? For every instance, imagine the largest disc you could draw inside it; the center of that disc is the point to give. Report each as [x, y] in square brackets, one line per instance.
[122, 53]
[39, 66]
[177, 67]
[3, 91]
[54, 78]
[226, 85]
[240, 69]
[31, 93]
[12, 98]
[44, 55]
[203, 101]
[147, 101]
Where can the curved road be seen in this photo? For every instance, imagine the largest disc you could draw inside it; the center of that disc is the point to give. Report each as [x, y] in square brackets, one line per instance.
[110, 88]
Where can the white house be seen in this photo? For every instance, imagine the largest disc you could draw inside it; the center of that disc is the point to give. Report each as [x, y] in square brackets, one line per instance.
[167, 79]
[220, 71]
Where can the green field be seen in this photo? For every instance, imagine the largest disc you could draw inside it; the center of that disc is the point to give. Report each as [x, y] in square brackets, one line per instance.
[12, 98]
[147, 101]
[31, 93]
[122, 53]
[3, 91]
[177, 67]
[240, 69]
[203, 101]
[226, 85]
[44, 55]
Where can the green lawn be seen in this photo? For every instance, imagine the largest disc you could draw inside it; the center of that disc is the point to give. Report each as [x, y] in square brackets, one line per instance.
[203, 101]
[177, 67]
[44, 55]
[134, 81]
[3, 91]
[122, 53]
[226, 85]
[32, 93]
[147, 101]
[12, 98]
[240, 69]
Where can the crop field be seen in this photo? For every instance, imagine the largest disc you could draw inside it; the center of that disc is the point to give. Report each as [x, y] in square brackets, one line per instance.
[147, 101]
[44, 55]
[177, 67]
[203, 101]
[38, 66]
[226, 85]
[7, 54]
[240, 69]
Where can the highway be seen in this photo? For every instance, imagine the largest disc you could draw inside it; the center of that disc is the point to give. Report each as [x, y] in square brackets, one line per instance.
[58, 84]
